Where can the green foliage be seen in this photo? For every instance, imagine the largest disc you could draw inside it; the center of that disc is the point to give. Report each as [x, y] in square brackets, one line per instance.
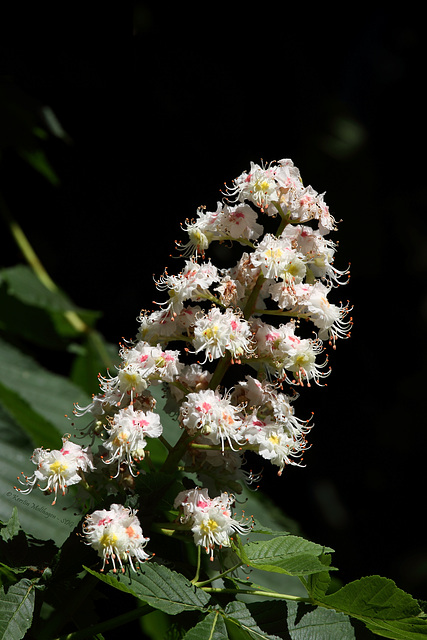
[273, 586]
[159, 587]
[286, 595]
[285, 554]
[16, 609]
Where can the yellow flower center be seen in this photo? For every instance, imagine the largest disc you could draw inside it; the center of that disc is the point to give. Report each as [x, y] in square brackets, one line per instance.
[209, 526]
[303, 360]
[261, 185]
[274, 254]
[211, 332]
[108, 539]
[58, 467]
[274, 439]
[120, 438]
[130, 378]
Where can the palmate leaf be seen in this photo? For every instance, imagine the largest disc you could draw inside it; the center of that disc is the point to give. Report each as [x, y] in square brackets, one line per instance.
[16, 610]
[212, 627]
[306, 621]
[381, 606]
[159, 587]
[289, 554]
[301, 621]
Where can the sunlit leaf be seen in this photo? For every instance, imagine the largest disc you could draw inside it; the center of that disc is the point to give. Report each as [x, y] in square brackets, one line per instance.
[382, 606]
[159, 587]
[291, 555]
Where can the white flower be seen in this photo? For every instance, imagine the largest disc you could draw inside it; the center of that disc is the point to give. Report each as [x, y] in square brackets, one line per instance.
[209, 414]
[267, 402]
[192, 377]
[58, 469]
[273, 442]
[128, 431]
[201, 232]
[286, 351]
[237, 222]
[329, 318]
[210, 519]
[217, 332]
[116, 535]
[272, 256]
[191, 284]
[258, 186]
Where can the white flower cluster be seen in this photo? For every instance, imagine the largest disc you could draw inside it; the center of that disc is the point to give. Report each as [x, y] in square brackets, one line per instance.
[116, 535]
[58, 469]
[210, 519]
[253, 313]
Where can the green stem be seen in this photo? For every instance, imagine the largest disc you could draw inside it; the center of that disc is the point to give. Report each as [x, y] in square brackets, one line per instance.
[220, 575]
[165, 443]
[175, 454]
[220, 447]
[196, 577]
[220, 371]
[252, 300]
[256, 592]
[278, 312]
[39, 270]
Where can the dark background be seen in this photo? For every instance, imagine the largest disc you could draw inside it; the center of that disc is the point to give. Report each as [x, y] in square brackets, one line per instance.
[162, 106]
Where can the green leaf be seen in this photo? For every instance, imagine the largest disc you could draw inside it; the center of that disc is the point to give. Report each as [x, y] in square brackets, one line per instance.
[318, 583]
[159, 587]
[291, 555]
[212, 627]
[305, 621]
[22, 292]
[92, 356]
[238, 613]
[382, 606]
[16, 610]
[40, 431]
[26, 386]
[10, 528]
[38, 160]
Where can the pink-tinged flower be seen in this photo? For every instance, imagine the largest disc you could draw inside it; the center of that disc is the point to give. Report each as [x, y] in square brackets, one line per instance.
[117, 536]
[191, 284]
[210, 519]
[127, 431]
[209, 414]
[238, 223]
[58, 469]
[277, 442]
[273, 256]
[217, 333]
[258, 186]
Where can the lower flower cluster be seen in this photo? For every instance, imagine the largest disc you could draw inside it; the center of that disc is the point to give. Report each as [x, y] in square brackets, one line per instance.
[230, 347]
[210, 519]
[116, 535]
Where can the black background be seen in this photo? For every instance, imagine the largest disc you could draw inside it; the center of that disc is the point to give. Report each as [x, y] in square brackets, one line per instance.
[165, 104]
